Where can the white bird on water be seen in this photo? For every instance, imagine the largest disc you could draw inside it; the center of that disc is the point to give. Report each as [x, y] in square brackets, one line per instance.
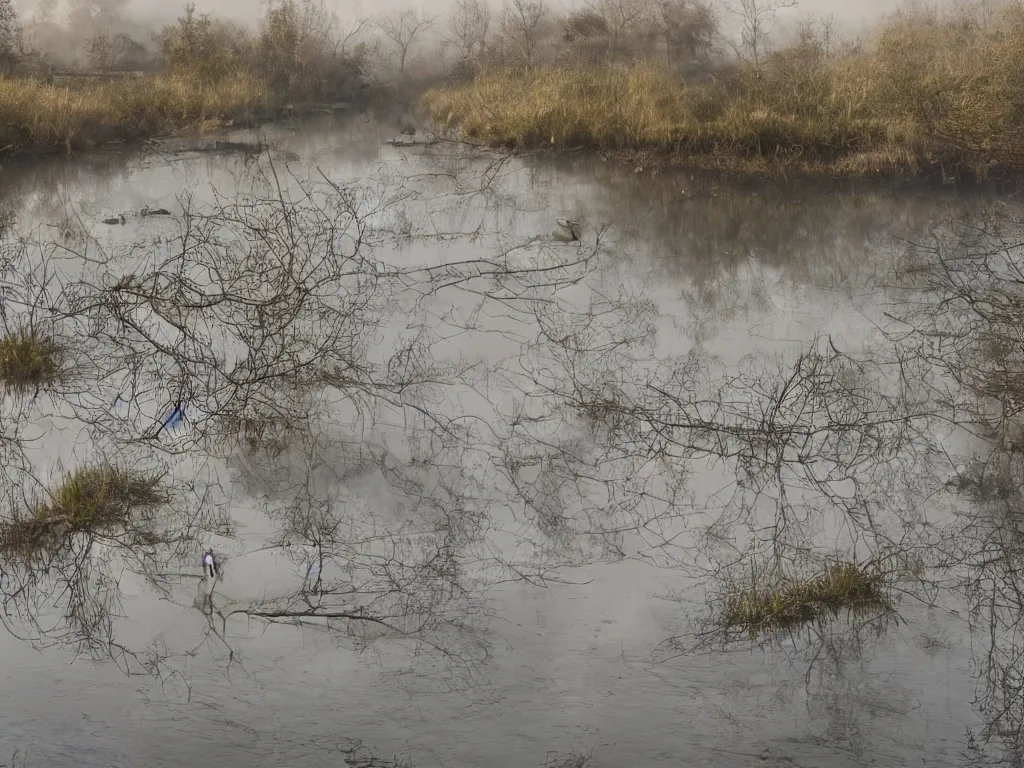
[210, 564]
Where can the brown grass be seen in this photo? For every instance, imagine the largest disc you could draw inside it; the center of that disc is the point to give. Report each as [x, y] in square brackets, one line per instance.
[790, 602]
[94, 500]
[30, 361]
[932, 93]
[35, 117]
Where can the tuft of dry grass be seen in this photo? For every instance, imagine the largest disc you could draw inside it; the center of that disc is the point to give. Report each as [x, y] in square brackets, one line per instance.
[792, 602]
[933, 93]
[36, 117]
[30, 361]
[94, 500]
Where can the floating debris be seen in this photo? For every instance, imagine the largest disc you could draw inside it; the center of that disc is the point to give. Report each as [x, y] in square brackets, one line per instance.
[572, 229]
[176, 419]
[252, 148]
[142, 213]
[399, 141]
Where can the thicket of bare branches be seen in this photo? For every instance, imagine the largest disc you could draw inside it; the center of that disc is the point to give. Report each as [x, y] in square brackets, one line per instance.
[302, 48]
[406, 477]
[262, 317]
[959, 311]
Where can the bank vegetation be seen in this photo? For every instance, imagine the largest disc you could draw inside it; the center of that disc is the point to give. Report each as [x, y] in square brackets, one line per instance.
[200, 73]
[930, 93]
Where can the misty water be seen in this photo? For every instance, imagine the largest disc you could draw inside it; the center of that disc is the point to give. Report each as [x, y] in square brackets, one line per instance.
[575, 664]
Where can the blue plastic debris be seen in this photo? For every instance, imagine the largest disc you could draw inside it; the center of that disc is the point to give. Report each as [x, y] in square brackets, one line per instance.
[176, 419]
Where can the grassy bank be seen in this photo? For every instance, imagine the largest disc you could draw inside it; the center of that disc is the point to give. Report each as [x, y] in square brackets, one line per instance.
[35, 117]
[930, 94]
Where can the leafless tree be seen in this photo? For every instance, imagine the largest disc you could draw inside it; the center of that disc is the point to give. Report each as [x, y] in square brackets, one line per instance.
[522, 26]
[259, 317]
[756, 19]
[468, 24]
[688, 28]
[621, 17]
[349, 35]
[10, 36]
[97, 16]
[958, 309]
[404, 27]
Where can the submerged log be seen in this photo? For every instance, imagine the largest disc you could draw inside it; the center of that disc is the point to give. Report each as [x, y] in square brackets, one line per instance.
[142, 213]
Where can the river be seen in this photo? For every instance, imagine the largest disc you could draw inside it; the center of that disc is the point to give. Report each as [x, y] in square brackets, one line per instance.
[573, 667]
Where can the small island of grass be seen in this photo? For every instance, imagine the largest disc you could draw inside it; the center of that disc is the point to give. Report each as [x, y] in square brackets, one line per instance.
[91, 500]
[30, 361]
[789, 603]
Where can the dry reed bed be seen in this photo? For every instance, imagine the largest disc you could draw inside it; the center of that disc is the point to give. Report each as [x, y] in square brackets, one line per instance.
[35, 117]
[931, 93]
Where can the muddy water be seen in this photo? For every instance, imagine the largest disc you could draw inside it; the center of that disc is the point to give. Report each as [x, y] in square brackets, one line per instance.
[573, 667]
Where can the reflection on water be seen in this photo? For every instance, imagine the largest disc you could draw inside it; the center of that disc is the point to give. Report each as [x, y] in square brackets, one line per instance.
[577, 665]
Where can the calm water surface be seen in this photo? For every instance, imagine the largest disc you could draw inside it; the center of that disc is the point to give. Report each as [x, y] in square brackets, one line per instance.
[574, 667]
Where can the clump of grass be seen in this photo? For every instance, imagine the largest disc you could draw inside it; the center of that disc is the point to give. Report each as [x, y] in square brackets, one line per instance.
[793, 602]
[36, 117]
[933, 94]
[30, 361]
[94, 500]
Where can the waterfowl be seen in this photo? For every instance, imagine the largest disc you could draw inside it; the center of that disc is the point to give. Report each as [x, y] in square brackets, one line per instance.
[210, 564]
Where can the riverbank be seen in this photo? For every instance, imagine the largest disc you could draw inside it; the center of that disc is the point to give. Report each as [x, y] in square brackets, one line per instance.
[41, 119]
[929, 97]
[651, 120]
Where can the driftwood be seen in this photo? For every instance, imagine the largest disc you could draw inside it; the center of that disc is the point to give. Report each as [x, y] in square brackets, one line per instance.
[122, 218]
[399, 141]
[248, 148]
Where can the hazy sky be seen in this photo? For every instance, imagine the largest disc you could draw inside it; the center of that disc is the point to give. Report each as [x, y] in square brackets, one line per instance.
[849, 14]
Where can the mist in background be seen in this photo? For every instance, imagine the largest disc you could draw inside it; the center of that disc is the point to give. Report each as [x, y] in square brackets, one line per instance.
[851, 18]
